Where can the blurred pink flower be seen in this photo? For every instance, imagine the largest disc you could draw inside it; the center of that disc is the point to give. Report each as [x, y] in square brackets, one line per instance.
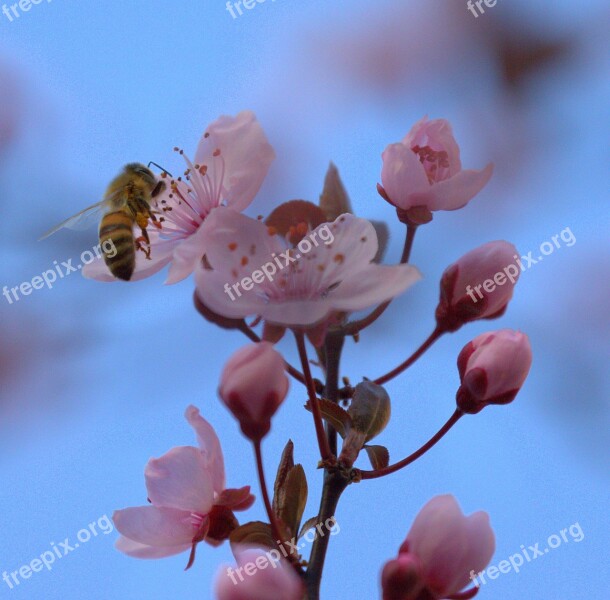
[253, 385]
[258, 577]
[188, 500]
[304, 287]
[231, 162]
[479, 285]
[441, 550]
[425, 170]
[492, 369]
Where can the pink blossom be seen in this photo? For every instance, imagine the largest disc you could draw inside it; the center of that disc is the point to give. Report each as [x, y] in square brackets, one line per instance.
[258, 576]
[336, 274]
[479, 285]
[492, 369]
[253, 385]
[441, 550]
[231, 162]
[425, 170]
[188, 500]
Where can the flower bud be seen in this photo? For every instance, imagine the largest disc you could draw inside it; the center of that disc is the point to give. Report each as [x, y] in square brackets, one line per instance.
[253, 385]
[492, 369]
[370, 412]
[425, 171]
[478, 286]
[401, 578]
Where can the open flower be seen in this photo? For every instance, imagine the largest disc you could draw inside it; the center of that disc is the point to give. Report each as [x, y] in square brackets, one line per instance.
[252, 270]
[425, 170]
[231, 162]
[258, 576]
[188, 500]
[441, 550]
[493, 367]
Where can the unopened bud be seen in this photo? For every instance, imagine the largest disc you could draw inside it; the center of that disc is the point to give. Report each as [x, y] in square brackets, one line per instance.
[253, 385]
[492, 369]
[478, 286]
[402, 578]
[370, 412]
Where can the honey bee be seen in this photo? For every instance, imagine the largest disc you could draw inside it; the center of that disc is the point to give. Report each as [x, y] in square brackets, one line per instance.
[126, 204]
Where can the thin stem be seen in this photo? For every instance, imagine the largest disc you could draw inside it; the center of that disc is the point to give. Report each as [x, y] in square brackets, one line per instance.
[357, 326]
[275, 526]
[455, 417]
[334, 485]
[325, 452]
[334, 346]
[407, 363]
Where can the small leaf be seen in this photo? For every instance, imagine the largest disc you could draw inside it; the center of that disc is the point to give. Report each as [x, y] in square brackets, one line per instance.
[286, 463]
[383, 237]
[256, 533]
[335, 415]
[309, 524]
[334, 200]
[370, 409]
[379, 456]
[293, 499]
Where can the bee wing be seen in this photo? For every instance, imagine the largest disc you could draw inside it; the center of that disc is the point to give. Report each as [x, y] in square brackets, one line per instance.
[82, 220]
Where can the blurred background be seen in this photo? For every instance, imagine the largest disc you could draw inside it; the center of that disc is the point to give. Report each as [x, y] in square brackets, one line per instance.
[95, 377]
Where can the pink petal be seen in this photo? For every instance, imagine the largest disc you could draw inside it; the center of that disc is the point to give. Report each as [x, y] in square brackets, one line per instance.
[438, 135]
[155, 526]
[246, 152]
[402, 175]
[137, 550]
[180, 479]
[210, 445]
[186, 257]
[374, 285]
[457, 191]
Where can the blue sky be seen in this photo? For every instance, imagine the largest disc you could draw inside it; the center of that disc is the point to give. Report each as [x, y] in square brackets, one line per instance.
[96, 377]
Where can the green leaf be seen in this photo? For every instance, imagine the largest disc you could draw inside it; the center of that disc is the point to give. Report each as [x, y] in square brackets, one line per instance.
[293, 498]
[335, 415]
[255, 533]
[286, 463]
[379, 456]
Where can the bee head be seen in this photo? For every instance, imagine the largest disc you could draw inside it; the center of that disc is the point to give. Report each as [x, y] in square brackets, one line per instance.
[141, 171]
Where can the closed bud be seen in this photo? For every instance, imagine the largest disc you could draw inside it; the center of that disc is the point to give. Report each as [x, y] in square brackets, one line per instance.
[401, 578]
[478, 286]
[253, 385]
[370, 412]
[492, 369]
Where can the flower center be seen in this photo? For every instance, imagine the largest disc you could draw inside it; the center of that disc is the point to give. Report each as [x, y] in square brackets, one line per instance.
[436, 162]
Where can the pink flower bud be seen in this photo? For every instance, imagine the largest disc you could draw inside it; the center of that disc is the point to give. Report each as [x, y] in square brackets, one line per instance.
[425, 170]
[253, 385]
[492, 369]
[401, 578]
[442, 550]
[478, 286]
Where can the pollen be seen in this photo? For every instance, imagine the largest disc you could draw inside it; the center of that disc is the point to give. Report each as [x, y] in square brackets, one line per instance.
[216, 152]
[232, 246]
[339, 258]
[321, 268]
[244, 261]
[203, 169]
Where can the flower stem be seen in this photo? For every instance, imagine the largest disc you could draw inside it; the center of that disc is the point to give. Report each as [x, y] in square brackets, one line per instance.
[455, 417]
[273, 520]
[325, 452]
[407, 363]
[334, 346]
[357, 326]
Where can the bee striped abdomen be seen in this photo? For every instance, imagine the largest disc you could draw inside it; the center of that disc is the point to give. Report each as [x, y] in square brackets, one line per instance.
[117, 227]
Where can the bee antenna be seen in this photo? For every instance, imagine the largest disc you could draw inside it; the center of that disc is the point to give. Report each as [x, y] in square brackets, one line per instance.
[159, 167]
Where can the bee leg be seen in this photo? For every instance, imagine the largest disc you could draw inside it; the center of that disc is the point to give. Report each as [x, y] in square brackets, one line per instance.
[143, 244]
